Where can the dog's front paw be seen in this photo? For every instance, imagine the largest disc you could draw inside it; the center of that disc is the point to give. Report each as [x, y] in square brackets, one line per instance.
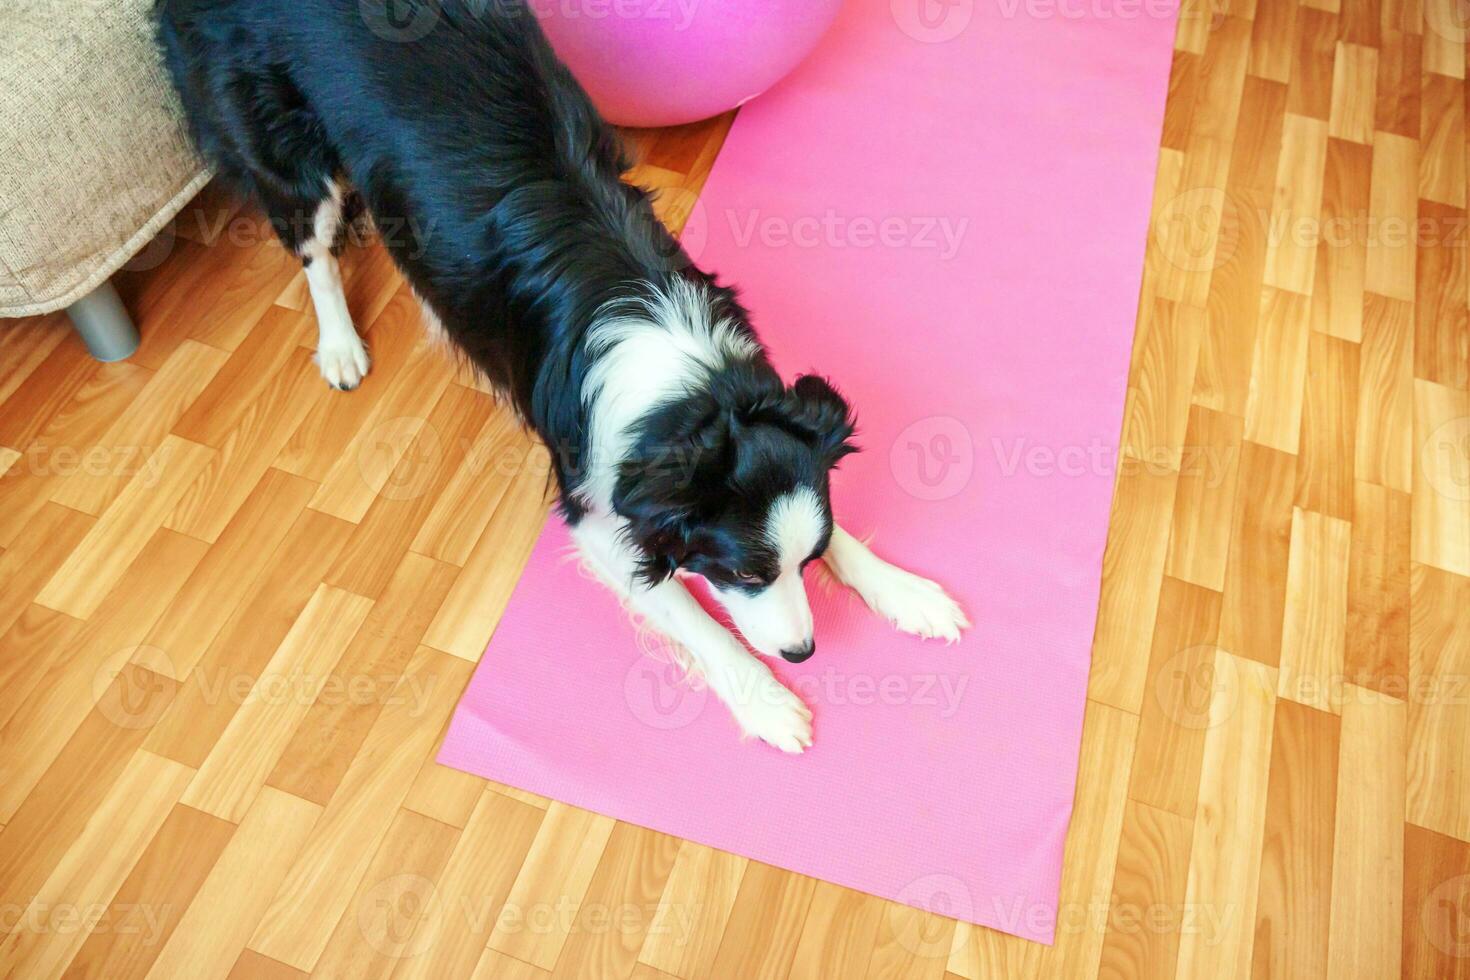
[918, 606]
[344, 365]
[771, 712]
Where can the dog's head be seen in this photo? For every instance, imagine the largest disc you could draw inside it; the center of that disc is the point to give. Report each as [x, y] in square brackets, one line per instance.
[733, 486]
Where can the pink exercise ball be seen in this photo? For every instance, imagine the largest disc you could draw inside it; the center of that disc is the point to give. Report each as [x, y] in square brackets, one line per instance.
[665, 62]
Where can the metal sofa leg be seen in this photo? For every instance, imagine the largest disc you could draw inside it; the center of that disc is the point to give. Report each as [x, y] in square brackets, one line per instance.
[104, 324]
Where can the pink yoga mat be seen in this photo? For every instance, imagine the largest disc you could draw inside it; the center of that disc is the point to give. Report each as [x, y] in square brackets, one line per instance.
[945, 210]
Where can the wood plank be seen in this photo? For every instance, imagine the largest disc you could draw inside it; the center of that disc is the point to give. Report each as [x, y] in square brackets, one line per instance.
[44, 392]
[1187, 232]
[58, 449]
[620, 907]
[67, 694]
[24, 346]
[702, 885]
[1377, 651]
[92, 870]
[148, 906]
[465, 505]
[1313, 633]
[469, 897]
[1174, 717]
[356, 689]
[1204, 499]
[30, 562]
[378, 930]
[102, 557]
[764, 927]
[1147, 910]
[1179, 105]
[1441, 501]
[251, 744]
[31, 645]
[556, 873]
[1436, 890]
[165, 302]
[124, 452]
[298, 924]
[1354, 92]
[1157, 409]
[912, 944]
[1384, 450]
[212, 933]
[1444, 39]
[1224, 861]
[334, 422]
[1108, 741]
[404, 502]
[1397, 108]
[839, 933]
[250, 965]
[1294, 902]
[255, 279]
[1324, 471]
[243, 378]
[1392, 214]
[1441, 136]
[1342, 241]
[246, 451]
[367, 463]
[1273, 410]
[1133, 568]
[1312, 63]
[498, 966]
[480, 593]
[57, 813]
[1368, 840]
[446, 794]
[238, 558]
[1438, 760]
[1441, 322]
[1221, 78]
[219, 674]
[1273, 37]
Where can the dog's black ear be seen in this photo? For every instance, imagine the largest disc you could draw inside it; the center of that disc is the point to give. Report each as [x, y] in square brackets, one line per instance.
[671, 469]
[824, 416]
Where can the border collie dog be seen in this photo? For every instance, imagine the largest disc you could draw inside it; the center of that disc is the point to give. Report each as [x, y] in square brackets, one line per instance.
[675, 444]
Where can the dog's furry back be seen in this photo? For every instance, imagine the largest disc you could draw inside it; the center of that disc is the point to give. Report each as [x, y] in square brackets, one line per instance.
[492, 177]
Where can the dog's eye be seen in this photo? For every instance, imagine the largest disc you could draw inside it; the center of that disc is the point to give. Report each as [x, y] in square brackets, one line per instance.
[749, 578]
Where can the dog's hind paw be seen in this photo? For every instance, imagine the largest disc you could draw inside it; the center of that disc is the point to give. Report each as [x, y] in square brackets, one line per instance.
[771, 712]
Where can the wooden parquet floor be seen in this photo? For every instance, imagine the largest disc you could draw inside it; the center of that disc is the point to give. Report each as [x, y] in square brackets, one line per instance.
[237, 608]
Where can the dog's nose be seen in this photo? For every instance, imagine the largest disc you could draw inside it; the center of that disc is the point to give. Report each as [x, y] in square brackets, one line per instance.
[800, 653]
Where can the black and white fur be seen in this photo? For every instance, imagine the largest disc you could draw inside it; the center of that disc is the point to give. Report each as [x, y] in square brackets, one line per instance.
[677, 448]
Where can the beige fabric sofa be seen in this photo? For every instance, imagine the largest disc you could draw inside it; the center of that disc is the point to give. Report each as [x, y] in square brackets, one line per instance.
[95, 158]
